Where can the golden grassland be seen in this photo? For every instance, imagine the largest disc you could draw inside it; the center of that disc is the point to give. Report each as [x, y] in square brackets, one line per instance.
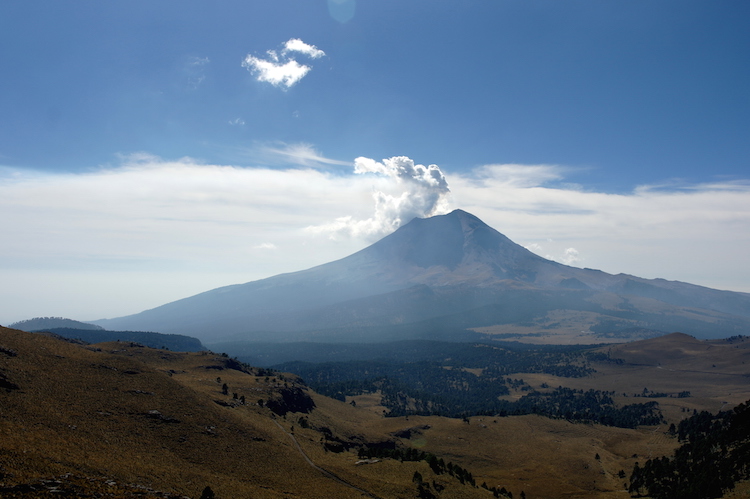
[142, 419]
[122, 420]
[111, 414]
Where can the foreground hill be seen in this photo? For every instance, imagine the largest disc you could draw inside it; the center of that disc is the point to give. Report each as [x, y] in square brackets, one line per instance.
[122, 420]
[106, 416]
[448, 276]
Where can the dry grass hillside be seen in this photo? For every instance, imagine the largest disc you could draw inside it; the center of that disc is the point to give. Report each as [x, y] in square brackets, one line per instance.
[109, 416]
[122, 420]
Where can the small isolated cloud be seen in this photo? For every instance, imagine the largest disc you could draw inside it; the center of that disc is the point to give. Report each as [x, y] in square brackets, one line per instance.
[196, 71]
[518, 176]
[237, 122]
[410, 191]
[301, 154]
[571, 256]
[297, 45]
[534, 248]
[199, 62]
[265, 246]
[281, 69]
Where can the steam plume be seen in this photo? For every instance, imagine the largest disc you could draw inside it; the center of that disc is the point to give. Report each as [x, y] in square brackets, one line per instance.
[412, 191]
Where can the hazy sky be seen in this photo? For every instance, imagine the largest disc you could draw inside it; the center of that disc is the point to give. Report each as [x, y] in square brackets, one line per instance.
[153, 150]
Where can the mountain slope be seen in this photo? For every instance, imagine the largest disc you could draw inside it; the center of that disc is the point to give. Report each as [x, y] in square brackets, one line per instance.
[104, 414]
[450, 269]
[122, 420]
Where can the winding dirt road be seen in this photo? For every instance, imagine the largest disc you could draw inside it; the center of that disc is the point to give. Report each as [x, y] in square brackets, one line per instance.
[322, 470]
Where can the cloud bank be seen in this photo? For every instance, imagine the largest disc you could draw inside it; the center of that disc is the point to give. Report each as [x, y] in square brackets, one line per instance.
[148, 231]
[281, 69]
[672, 231]
[411, 191]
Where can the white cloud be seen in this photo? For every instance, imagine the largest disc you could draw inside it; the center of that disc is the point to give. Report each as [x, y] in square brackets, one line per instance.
[412, 191]
[517, 176]
[571, 256]
[297, 45]
[696, 233]
[196, 71]
[277, 74]
[124, 239]
[535, 248]
[301, 154]
[98, 238]
[265, 246]
[237, 122]
[282, 70]
[199, 61]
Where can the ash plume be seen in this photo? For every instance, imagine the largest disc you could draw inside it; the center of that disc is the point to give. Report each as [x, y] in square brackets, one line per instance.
[410, 190]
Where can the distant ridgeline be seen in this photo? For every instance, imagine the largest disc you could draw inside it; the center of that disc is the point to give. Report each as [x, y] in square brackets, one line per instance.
[90, 333]
[39, 323]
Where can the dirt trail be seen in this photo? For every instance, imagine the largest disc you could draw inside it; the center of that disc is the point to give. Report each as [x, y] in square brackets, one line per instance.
[322, 470]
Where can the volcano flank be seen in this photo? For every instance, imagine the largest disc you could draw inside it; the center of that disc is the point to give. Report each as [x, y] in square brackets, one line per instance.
[448, 277]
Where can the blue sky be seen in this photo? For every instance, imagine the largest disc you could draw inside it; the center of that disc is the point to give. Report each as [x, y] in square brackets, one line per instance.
[141, 161]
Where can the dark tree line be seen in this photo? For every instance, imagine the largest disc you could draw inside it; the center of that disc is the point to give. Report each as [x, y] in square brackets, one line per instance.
[447, 387]
[587, 406]
[442, 384]
[407, 388]
[436, 464]
[563, 403]
[715, 453]
[494, 361]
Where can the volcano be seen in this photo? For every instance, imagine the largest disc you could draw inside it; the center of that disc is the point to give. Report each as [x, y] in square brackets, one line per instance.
[445, 277]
